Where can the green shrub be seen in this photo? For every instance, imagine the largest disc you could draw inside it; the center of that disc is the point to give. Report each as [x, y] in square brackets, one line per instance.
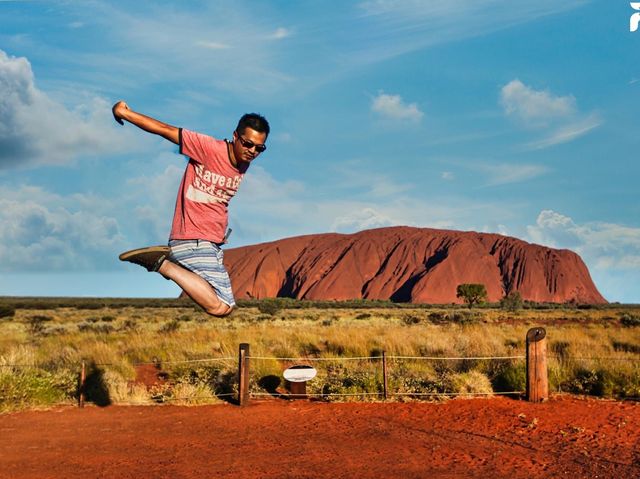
[621, 381]
[269, 306]
[507, 376]
[35, 387]
[89, 306]
[512, 301]
[170, 326]
[310, 349]
[214, 377]
[7, 311]
[626, 347]
[591, 381]
[426, 381]
[464, 317]
[36, 324]
[99, 328]
[410, 319]
[335, 348]
[352, 379]
[438, 317]
[129, 324]
[561, 349]
[629, 320]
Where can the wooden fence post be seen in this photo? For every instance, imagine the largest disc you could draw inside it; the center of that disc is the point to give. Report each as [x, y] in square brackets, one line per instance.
[537, 377]
[384, 373]
[243, 374]
[83, 378]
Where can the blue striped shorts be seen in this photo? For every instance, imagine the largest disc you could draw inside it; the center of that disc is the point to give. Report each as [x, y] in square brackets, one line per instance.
[205, 259]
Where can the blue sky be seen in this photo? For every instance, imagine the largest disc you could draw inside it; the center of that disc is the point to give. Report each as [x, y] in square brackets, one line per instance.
[498, 116]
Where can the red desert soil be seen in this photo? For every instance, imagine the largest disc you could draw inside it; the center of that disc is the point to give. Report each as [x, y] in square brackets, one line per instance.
[462, 438]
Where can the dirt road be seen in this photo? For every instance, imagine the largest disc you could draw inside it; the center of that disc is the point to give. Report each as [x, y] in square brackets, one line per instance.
[462, 438]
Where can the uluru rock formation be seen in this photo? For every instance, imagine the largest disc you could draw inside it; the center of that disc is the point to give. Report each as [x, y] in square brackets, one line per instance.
[405, 264]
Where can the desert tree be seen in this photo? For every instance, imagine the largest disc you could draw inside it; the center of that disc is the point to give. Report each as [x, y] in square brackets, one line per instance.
[472, 293]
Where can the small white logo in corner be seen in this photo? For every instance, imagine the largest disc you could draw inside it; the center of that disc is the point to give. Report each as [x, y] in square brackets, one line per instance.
[635, 18]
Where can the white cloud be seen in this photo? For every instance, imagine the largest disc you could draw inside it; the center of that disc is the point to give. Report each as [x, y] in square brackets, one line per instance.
[36, 130]
[212, 45]
[395, 27]
[152, 199]
[611, 251]
[503, 230]
[45, 231]
[280, 33]
[555, 230]
[480, 11]
[268, 209]
[534, 106]
[165, 37]
[567, 133]
[347, 176]
[392, 106]
[495, 173]
[366, 218]
[505, 173]
[42, 231]
[260, 185]
[335, 41]
[604, 245]
[558, 116]
[282, 137]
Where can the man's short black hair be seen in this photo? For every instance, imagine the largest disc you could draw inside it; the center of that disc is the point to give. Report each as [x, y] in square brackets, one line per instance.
[255, 122]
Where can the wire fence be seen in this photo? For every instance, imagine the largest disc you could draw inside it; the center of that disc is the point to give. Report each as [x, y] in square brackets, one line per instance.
[363, 358]
[158, 362]
[560, 357]
[384, 393]
[378, 383]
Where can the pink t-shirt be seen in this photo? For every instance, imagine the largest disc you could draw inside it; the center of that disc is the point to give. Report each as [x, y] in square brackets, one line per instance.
[209, 182]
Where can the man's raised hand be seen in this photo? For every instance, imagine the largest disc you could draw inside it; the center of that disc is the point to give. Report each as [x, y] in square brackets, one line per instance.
[121, 111]
[118, 110]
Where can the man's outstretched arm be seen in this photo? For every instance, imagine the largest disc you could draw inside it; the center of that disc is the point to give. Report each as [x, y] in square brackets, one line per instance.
[121, 111]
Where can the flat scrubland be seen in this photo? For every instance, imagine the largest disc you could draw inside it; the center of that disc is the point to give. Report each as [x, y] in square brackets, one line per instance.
[168, 351]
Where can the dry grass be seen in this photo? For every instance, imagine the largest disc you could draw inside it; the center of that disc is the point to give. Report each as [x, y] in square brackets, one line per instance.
[40, 358]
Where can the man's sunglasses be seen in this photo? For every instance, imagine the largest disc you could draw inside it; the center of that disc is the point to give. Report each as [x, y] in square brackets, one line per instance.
[250, 144]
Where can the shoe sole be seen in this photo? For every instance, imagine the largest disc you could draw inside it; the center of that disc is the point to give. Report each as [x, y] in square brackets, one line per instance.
[151, 249]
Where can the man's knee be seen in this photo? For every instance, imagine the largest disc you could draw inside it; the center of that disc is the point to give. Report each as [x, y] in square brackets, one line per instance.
[220, 310]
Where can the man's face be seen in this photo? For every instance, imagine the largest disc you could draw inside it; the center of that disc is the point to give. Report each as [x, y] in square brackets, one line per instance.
[244, 145]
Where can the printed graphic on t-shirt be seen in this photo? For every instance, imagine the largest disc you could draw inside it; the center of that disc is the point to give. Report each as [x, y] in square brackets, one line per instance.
[210, 187]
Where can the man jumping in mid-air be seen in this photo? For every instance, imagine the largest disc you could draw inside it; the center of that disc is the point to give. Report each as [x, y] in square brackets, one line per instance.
[193, 259]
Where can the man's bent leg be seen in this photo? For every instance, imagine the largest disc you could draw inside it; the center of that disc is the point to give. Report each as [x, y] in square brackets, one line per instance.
[196, 287]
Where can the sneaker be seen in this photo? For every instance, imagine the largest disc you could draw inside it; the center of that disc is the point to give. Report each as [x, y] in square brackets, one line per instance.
[150, 258]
